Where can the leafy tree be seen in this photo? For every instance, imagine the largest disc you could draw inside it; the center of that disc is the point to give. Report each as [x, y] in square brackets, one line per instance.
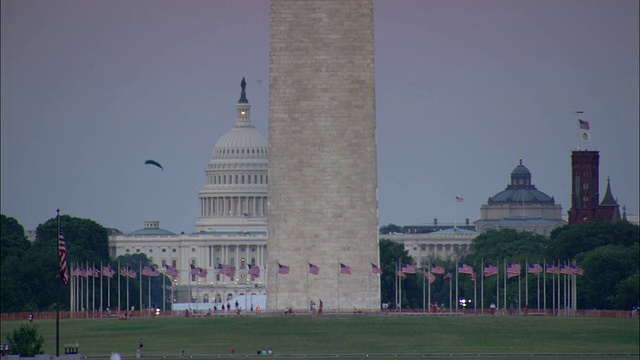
[391, 254]
[497, 245]
[568, 241]
[25, 340]
[389, 229]
[14, 242]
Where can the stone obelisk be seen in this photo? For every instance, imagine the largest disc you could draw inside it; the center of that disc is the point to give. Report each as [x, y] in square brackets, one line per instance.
[323, 206]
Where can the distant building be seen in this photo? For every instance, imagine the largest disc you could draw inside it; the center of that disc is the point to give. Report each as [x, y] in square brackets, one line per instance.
[585, 175]
[449, 243]
[521, 207]
[231, 228]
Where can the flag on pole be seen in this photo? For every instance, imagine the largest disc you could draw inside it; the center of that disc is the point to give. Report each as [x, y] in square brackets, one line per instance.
[578, 270]
[437, 269]
[202, 272]
[401, 274]
[490, 270]
[124, 272]
[146, 271]
[448, 276]
[513, 270]
[171, 271]
[408, 269]
[430, 276]
[96, 272]
[459, 199]
[465, 269]
[62, 255]
[552, 269]
[473, 276]
[132, 273]
[584, 125]
[108, 271]
[534, 269]
[344, 269]
[155, 272]
[375, 269]
[566, 270]
[194, 270]
[283, 269]
[313, 269]
[254, 270]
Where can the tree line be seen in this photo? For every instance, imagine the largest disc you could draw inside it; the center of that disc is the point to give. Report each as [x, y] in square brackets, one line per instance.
[608, 253]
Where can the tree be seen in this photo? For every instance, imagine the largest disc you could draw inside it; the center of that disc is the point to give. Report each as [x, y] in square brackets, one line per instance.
[390, 229]
[392, 254]
[25, 340]
[14, 242]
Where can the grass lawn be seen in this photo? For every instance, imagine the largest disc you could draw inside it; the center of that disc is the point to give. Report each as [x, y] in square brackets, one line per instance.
[346, 335]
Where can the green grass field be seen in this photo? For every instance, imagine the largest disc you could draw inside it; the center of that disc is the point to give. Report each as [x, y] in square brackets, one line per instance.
[356, 336]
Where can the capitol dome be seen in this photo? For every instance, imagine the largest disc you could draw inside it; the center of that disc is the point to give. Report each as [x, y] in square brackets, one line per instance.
[234, 198]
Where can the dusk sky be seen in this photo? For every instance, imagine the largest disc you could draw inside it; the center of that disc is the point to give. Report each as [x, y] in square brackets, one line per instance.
[92, 89]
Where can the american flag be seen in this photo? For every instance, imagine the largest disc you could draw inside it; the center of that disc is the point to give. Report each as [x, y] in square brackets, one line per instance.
[566, 270]
[459, 199]
[146, 271]
[194, 270]
[246, 215]
[283, 269]
[155, 272]
[584, 125]
[62, 255]
[490, 270]
[578, 271]
[448, 276]
[254, 270]
[108, 271]
[344, 269]
[465, 269]
[513, 270]
[202, 272]
[124, 272]
[313, 269]
[401, 274]
[437, 269]
[76, 272]
[430, 276]
[534, 269]
[375, 269]
[132, 274]
[171, 271]
[552, 269]
[90, 271]
[408, 269]
[473, 277]
[96, 272]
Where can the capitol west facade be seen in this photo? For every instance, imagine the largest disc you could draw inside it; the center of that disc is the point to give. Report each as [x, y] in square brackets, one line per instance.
[231, 228]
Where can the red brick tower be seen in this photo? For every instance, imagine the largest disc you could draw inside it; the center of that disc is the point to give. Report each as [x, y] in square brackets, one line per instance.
[584, 186]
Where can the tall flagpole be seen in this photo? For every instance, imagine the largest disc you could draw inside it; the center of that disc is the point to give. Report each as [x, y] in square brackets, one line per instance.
[504, 277]
[140, 291]
[482, 286]
[119, 276]
[87, 291]
[457, 296]
[58, 279]
[526, 283]
[101, 288]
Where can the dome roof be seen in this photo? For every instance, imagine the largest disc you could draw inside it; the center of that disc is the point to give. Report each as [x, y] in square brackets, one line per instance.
[521, 189]
[515, 194]
[241, 142]
[152, 228]
[521, 170]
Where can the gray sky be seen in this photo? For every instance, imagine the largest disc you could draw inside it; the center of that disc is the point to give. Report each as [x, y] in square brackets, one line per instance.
[92, 89]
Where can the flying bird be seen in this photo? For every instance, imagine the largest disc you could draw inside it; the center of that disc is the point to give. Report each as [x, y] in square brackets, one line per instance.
[153, 162]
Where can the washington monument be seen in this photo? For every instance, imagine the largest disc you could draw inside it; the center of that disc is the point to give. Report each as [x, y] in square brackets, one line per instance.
[322, 157]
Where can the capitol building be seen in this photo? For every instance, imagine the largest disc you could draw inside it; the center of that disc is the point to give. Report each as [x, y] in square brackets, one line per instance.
[229, 248]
